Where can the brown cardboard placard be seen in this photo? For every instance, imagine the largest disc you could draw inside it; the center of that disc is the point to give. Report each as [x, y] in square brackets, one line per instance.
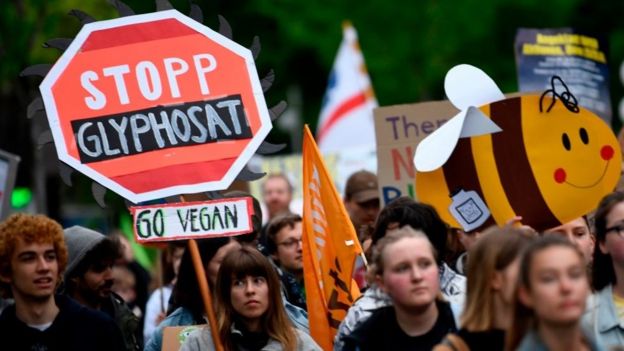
[398, 130]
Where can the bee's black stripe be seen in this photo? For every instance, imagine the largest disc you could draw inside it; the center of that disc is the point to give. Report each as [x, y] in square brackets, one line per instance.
[517, 176]
[460, 174]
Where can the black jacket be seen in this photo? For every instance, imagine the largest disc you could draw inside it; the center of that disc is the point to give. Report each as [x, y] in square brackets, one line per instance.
[382, 332]
[75, 328]
[128, 323]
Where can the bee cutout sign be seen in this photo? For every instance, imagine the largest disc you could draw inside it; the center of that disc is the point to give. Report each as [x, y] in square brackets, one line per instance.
[542, 157]
[155, 105]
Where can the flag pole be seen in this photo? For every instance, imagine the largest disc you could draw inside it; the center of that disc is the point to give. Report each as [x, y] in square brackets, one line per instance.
[364, 260]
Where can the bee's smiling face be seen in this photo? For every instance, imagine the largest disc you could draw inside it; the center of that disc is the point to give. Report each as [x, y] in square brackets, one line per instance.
[574, 156]
[594, 171]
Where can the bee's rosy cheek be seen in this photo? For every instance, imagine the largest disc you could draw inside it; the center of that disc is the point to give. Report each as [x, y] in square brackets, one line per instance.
[606, 152]
[560, 175]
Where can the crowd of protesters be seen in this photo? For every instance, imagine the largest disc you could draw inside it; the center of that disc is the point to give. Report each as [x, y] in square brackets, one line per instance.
[428, 286]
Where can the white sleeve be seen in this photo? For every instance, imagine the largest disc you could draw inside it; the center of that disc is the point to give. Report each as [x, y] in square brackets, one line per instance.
[152, 310]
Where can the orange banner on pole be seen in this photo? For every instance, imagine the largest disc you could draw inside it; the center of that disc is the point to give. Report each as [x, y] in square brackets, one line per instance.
[330, 247]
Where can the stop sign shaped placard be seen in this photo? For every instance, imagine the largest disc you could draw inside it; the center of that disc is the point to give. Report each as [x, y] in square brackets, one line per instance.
[155, 105]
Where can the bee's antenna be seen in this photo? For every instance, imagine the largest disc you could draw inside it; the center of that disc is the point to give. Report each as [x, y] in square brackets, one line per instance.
[566, 97]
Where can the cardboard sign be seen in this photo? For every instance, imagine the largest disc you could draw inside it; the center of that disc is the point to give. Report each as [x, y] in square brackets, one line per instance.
[542, 157]
[578, 58]
[155, 105]
[192, 220]
[399, 129]
[174, 337]
[8, 171]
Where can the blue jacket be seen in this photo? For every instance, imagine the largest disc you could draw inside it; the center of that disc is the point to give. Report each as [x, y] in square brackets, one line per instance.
[601, 319]
[201, 340]
[183, 316]
[532, 342]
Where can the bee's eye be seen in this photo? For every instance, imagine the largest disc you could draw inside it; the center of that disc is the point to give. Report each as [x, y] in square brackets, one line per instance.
[584, 136]
[566, 141]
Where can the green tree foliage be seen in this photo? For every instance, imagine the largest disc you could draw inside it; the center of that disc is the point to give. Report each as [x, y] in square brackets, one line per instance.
[25, 25]
[408, 46]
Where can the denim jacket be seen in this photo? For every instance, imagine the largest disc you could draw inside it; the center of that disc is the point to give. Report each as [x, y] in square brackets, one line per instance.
[183, 316]
[532, 342]
[601, 319]
[201, 340]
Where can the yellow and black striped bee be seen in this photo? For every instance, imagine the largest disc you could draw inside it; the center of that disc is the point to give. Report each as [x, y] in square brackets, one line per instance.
[540, 157]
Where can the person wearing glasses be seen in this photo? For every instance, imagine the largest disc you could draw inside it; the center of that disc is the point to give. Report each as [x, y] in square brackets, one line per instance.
[284, 247]
[605, 312]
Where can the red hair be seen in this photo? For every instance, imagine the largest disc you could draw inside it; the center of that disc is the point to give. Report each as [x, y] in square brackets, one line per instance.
[37, 229]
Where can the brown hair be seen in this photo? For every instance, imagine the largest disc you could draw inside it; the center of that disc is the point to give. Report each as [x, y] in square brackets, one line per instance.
[494, 252]
[247, 261]
[524, 317]
[278, 223]
[31, 229]
[166, 260]
[186, 291]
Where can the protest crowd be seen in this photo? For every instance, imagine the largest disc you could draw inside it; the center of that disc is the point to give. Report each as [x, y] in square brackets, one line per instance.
[519, 290]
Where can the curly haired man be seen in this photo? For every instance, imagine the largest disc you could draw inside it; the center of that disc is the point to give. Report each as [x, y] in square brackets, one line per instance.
[33, 257]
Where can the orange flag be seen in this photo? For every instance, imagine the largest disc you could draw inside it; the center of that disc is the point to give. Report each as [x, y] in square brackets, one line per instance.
[330, 247]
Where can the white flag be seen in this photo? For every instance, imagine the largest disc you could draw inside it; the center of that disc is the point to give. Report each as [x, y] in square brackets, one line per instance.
[346, 118]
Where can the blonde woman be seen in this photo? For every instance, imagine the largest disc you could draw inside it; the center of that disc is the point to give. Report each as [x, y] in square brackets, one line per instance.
[492, 273]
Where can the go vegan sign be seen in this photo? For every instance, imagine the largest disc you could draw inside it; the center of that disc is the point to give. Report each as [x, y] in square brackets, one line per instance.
[155, 105]
[193, 220]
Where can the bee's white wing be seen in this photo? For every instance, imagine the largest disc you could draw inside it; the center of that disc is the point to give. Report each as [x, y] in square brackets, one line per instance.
[433, 151]
[436, 149]
[467, 85]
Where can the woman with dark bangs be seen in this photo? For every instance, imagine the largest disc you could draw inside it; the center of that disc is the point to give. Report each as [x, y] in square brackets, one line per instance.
[250, 311]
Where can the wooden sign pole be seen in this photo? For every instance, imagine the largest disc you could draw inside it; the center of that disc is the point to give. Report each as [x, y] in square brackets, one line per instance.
[205, 291]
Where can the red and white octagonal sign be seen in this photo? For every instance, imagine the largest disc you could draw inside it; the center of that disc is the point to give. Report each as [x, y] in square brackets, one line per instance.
[155, 105]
